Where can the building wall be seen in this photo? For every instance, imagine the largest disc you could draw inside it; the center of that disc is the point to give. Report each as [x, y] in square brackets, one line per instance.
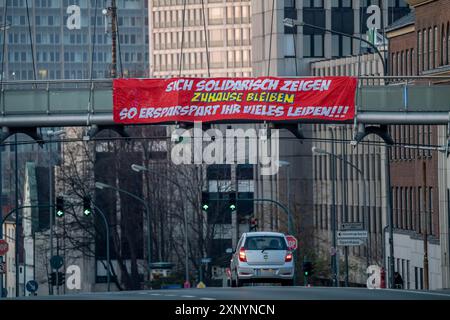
[9, 280]
[421, 49]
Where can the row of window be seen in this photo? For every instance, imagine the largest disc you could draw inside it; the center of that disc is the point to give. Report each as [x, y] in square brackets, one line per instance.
[161, 3]
[419, 135]
[408, 211]
[323, 215]
[194, 17]
[369, 164]
[403, 267]
[198, 60]
[196, 39]
[433, 47]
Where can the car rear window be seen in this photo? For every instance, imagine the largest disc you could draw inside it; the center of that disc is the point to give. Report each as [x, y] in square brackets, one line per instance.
[265, 242]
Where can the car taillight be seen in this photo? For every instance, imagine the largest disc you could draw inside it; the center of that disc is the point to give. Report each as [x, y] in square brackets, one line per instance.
[242, 256]
[288, 257]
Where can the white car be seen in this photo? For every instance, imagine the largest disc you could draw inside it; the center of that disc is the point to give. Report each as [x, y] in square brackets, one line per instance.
[262, 257]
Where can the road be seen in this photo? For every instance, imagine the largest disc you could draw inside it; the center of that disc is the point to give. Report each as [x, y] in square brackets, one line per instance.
[257, 293]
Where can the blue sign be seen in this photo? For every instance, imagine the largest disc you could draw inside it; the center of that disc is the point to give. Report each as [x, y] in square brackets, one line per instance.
[56, 262]
[32, 286]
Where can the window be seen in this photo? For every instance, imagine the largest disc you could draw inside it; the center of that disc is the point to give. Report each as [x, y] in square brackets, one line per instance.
[342, 20]
[419, 52]
[313, 39]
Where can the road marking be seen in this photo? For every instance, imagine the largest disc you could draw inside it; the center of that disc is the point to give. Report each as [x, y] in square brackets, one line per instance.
[155, 294]
[188, 296]
[207, 299]
[170, 295]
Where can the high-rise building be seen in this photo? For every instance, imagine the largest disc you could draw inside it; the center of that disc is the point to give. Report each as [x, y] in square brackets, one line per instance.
[65, 40]
[178, 27]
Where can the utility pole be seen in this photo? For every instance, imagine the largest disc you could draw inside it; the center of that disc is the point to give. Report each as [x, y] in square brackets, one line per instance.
[426, 222]
[113, 39]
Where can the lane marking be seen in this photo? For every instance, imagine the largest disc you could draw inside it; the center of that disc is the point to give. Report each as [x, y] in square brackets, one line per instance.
[187, 296]
[208, 299]
[155, 294]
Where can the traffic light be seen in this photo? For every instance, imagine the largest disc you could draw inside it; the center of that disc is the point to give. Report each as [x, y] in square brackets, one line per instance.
[59, 207]
[87, 210]
[232, 201]
[205, 201]
[61, 278]
[307, 268]
[53, 278]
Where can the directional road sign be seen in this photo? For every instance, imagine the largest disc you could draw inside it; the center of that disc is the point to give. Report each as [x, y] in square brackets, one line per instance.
[32, 286]
[349, 242]
[361, 234]
[352, 226]
[206, 260]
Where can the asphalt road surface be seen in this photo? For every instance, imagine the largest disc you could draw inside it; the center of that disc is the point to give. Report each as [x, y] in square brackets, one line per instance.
[257, 293]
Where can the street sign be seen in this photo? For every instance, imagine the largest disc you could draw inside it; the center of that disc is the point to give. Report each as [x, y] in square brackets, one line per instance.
[56, 262]
[2, 267]
[292, 242]
[3, 247]
[332, 251]
[350, 242]
[352, 226]
[206, 260]
[362, 234]
[32, 286]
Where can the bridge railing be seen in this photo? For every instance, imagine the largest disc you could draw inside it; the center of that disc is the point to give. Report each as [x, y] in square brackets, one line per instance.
[56, 97]
[395, 94]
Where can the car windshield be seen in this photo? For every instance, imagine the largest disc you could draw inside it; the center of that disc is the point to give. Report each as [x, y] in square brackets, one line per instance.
[265, 243]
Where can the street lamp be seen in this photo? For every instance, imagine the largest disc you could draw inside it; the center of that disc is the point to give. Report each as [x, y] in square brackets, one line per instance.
[288, 22]
[101, 185]
[139, 168]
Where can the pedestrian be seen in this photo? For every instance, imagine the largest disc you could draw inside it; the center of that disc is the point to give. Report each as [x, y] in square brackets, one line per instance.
[398, 281]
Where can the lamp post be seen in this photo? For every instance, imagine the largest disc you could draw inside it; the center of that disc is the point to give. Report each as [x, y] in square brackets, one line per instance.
[100, 185]
[50, 134]
[288, 22]
[108, 256]
[139, 168]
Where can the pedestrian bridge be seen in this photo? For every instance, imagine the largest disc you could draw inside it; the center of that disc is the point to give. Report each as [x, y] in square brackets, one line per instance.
[60, 103]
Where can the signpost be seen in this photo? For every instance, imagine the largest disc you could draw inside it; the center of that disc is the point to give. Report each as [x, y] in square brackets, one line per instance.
[351, 226]
[351, 237]
[56, 262]
[32, 286]
[292, 242]
[349, 242]
[358, 234]
[3, 247]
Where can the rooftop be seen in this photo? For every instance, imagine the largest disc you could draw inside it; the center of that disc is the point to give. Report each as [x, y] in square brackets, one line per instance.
[402, 22]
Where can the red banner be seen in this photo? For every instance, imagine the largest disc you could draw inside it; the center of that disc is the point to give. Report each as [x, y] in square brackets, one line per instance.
[219, 99]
